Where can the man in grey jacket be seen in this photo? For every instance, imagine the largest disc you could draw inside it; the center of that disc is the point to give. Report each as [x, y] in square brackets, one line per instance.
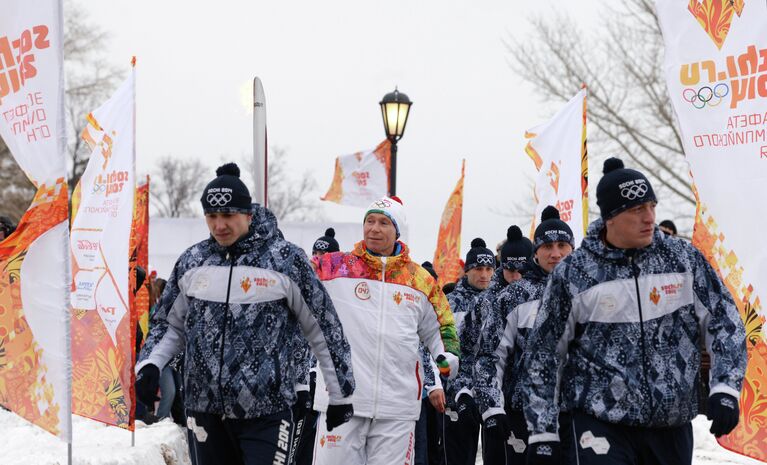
[234, 303]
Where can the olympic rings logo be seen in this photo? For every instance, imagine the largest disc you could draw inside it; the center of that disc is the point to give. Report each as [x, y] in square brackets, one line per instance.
[637, 191]
[382, 203]
[99, 187]
[219, 199]
[706, 95]
[321, 245]
[485, 260]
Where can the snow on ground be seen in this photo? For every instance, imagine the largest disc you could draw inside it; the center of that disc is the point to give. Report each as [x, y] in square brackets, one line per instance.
[164, 443]
[94, 443]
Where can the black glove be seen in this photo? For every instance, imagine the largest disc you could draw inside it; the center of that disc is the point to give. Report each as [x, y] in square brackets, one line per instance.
[147, 385]
[723, 413]
[497, 429]
[467, 409]
[337, 415]
[544, 453]
[302, 406]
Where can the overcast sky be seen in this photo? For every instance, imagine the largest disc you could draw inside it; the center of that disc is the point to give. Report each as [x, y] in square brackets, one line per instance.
[325, 67]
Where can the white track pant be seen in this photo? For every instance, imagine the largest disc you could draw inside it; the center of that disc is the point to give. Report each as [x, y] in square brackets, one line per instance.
[364, 441]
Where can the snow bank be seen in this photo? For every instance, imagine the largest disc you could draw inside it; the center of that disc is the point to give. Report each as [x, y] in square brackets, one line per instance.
[94, 443]
[164, 443]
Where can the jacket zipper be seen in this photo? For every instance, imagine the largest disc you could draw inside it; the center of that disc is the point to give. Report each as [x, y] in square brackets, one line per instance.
[635, 271]
[223, 333]
[380, 342]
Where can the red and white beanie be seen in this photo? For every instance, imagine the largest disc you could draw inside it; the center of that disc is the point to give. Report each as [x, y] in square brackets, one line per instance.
[392, 208]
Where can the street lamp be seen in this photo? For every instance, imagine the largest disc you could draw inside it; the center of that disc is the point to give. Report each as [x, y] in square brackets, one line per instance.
[395, 108]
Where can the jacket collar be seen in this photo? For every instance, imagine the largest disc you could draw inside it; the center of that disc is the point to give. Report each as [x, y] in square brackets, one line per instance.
[376, 262]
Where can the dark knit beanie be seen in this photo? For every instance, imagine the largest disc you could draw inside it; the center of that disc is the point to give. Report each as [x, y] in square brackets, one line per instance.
[621, 188]
[517, 251]
[326, 243]
[430, 268]
[552, 229]
[479, 255]
[227, 193]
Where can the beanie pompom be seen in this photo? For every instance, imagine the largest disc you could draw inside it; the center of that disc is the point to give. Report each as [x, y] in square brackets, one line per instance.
[514, 233]
[330, 232]
[549, 213]
[478, 242]
[612, 164]
[396, 199]
[230, 169]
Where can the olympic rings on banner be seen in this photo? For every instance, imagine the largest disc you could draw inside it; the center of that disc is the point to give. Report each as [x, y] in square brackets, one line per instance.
[706, 95]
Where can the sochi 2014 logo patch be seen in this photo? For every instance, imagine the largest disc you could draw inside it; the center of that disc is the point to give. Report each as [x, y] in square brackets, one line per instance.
[655, 296]
[397, 297]
[362, 291]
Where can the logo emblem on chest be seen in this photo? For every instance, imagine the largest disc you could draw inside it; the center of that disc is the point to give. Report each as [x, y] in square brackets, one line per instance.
[362, 291]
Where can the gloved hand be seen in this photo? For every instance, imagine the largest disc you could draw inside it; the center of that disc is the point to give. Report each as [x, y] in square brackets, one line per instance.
[302, 406]
[447, 364]
[544, 453]
[467, 409]
[723, 412]
[337, 415]
[147, 385]
[497, 429]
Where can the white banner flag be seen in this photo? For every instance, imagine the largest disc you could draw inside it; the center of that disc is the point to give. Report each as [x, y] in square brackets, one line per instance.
[716, 72]
[558, 149]
[102, 224]
[361, 178]
[35, 379]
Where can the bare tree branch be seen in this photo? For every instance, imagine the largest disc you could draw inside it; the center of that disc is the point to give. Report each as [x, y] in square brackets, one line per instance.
[177, 186]
[628, 100]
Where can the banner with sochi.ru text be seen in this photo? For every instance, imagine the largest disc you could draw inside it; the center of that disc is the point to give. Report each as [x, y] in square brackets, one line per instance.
[103, 327]
[35, 380]
[716, 72]
[361, 178]
[558, 149]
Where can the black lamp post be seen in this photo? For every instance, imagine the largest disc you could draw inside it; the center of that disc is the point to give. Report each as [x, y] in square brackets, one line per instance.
[395, 108]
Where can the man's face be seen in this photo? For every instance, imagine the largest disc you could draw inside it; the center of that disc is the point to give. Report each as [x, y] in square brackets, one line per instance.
[550, 254]
[511, 276]
[379, 233]
[227, 228]
[632, 228]
[479, 276]
[318, 253]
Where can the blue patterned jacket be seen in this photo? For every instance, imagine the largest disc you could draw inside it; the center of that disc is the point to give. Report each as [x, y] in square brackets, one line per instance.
[499, 378]
[630, 327]
[236, 312]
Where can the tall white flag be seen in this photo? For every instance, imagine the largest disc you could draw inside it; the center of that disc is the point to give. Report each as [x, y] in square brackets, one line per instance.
[558, 149]
[102, 325]
[35, 367]
[716, 72]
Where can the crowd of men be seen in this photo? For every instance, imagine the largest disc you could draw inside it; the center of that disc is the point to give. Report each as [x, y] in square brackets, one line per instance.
[552, 352]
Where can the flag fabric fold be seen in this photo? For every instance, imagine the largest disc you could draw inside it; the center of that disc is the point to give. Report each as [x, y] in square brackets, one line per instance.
[361, 178]
[35, 368]
[447, 256]
[558, 150]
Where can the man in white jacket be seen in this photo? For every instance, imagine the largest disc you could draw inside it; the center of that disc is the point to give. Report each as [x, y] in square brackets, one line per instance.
[387, 304]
